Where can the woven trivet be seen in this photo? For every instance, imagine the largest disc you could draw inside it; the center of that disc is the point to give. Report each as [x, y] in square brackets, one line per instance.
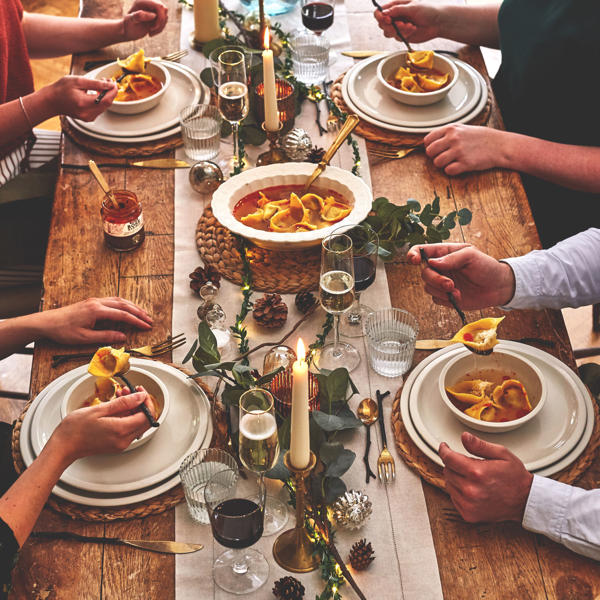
[432, 473]
[121, 150]
[377, 134]
[272, 271]
[154, 506]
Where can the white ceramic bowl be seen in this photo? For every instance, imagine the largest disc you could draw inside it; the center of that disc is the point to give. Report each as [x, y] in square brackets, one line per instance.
[351, 187]
[510, 364]
[388, 66]
[83, 388]
[137, 106]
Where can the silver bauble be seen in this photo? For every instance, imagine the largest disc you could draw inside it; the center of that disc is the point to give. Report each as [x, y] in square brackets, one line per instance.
[352, 509]
[296, 144]
[205, 177]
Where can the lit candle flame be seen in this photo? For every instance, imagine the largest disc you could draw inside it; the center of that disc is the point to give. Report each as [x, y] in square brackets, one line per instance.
[267, 39]
[300, 350]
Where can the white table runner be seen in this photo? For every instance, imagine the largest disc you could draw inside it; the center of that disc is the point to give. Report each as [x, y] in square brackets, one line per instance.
[405, 566]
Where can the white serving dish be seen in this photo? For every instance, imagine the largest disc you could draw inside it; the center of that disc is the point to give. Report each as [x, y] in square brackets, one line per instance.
[389, 65]
[156, 69]
[339, 180]
[83, 388]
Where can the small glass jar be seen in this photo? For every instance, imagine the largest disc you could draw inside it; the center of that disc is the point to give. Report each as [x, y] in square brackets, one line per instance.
[123, 225]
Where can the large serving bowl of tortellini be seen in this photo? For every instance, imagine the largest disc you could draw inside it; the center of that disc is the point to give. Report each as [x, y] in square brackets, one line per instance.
[494, 393]
[425, 81]
[267, 206]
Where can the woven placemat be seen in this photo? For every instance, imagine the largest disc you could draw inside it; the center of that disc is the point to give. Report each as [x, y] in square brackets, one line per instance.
[121, 150]
[154, 506]
[432, 473]
[272, 270]
[379, 135]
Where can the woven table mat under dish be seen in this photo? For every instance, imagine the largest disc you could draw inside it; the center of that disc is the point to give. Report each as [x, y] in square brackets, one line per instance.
[153, 506]
[373, 133]
[118, 149]
[432, 473]
[272, 270]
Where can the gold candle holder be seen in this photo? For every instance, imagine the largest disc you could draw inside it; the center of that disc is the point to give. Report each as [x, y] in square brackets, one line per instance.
[273, 154]
[293, 549]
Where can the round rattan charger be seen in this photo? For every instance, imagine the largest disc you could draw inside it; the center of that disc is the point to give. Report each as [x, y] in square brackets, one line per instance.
[432, 473]
[154, 506]
[272, 271]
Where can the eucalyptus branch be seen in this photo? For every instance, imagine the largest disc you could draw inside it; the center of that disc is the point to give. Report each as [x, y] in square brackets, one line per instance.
[237, 22]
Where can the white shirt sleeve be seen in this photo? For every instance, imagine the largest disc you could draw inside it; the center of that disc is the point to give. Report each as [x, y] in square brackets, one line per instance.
[566, 514]
[567, 274]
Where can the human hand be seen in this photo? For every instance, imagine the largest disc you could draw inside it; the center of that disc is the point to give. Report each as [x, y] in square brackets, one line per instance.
[74, 324]
[475, 279]
[494, 489]
[105, 428]
[69, 96]
[459, 148]
[144, 17]
[417, 21]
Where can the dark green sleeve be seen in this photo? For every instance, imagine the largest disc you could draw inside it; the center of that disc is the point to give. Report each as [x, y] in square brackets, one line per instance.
[8, 557]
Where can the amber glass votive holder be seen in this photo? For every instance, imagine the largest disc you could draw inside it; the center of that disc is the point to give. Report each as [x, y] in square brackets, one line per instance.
[281, 388]
[286, 103]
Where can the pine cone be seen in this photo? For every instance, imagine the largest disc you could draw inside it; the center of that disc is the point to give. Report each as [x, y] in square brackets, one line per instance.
[361, 555]
[200, 276]
[316, 154]
[304, 301]
[270, 311]
[288, 588]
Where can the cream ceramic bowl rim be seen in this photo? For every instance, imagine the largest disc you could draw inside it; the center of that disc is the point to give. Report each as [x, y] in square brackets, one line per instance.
[490, 426]
[149, 432]
[134, 103]
[226, 196]
[425, 95]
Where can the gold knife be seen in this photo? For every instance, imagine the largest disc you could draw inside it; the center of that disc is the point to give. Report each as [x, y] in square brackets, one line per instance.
[164, 547]
[161, 163]
[363, 53]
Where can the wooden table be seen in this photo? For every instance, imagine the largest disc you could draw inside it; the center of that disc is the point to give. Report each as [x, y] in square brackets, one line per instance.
[475, 561]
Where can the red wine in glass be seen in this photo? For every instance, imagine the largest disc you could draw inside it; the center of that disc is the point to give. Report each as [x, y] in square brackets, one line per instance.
[317, 16]
[364, 272]
[237, 523]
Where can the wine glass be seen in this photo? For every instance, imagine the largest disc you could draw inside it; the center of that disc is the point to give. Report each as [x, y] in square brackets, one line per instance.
[317, 15]
[229, 76]
[365, 247]
[259, 448]
[337, 296]
[235, 506]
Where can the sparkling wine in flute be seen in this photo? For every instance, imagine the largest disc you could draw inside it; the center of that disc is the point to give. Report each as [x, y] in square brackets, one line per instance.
[259, 444]
[337, 291]
[233, 101]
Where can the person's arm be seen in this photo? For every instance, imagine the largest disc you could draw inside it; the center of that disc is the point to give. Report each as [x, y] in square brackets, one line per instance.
[423, 21]
[48, 36]
[73, 324]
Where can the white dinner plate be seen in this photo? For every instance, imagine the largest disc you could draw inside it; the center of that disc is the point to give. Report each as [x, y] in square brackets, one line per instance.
[556, 430]
[369, 119]
[454, 441]
[130, 140]
[369, 94]
[185, 89]
[182, 432]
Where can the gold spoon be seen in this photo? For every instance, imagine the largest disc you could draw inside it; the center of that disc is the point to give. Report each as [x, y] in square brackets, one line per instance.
[368, 412]
[345, 131]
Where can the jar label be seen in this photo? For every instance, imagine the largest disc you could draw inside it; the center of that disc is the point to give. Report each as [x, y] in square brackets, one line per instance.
[124, 229]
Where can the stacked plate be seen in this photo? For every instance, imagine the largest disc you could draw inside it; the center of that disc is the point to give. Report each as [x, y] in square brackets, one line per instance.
[128, 477]
[159, 122]
[547, 444]
[367, 97]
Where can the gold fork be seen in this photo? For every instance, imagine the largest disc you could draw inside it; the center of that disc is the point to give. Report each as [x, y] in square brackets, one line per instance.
[386, 467]
[150, 351]
[394, 154]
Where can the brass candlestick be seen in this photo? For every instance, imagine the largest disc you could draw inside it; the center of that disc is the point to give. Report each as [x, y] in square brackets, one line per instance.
[293, 549]
[273, 154]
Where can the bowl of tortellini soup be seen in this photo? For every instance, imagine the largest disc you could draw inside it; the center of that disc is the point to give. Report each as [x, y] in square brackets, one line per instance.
[424, 79]
[494, 393]
[267, 205]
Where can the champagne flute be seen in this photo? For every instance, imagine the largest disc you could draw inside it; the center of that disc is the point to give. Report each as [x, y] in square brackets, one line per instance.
[229, 76]
[235, 508]
[337, 296]
[259, 448]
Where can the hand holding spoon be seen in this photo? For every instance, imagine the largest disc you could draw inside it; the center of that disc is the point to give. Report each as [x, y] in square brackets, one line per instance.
[368, 412]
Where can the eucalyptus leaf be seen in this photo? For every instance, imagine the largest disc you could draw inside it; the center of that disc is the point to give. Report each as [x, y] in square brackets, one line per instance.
[344, 420]
[334, 487]
[207, 351]
[208, 47]
[329, 451]
[279, 470]
[206, 76]
[413, 205]
[341, 464]
[191, 351]
[252, 135]
[284, 433]
[269, 377]
[231, 395]
[243, 375]
[464, 216]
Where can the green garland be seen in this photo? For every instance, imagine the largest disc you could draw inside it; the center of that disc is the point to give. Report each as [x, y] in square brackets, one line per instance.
[325, 329]
[238, 328]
